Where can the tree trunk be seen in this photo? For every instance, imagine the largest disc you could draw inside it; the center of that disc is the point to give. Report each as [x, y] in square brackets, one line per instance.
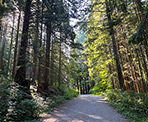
[20, 76]
[111, 69]
[118, 67]
[132, 70]
[52, 64]
[35, 45]
[7, 69]
[140, 68]
[40, 52]
[140, 16]
[47, 57]
[2, 49]
[144, 63]
[16, 46]
[60, 60]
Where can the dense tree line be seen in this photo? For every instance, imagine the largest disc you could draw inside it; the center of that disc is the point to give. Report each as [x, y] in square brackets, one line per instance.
[106, 49]
[35, 42]
[35, 37]
[116, 44]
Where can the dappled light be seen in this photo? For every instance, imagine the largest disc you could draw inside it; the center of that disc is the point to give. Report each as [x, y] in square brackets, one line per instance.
[85, 108]
[74, 60]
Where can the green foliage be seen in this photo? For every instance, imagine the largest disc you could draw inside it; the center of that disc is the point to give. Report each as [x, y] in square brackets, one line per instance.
[24, 108]
[4, 100]
[70, 93]
[140, 35]
[100, 87]
[57, 101]
[19, 106]
[132, 105]
[16, 105]
[97, 48]
[78, 71]
[49, 103]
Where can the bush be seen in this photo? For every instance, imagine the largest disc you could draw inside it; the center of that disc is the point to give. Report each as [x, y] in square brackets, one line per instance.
[70, 93]
[49, 103]
[19, 106]
[16, 105]
[132, 105]
[102, 86]
[4, 101]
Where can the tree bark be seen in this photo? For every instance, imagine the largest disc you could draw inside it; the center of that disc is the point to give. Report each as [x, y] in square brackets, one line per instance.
[52, 64]
[116, 56]
[20, 76]
[7, 69]
[60, 60]
[144, 63]
[47, 57]
[35, 45]
[140, 68]
[140, 16]
[40, 45]
[2, 49]
[16, 46]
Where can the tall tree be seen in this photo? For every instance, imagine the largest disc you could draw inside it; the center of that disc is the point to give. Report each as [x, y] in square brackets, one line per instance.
[11, 44]
[110, 23]
[47, 56]
[16, 46]
[3, 43]
[20, 76]
[36, 42]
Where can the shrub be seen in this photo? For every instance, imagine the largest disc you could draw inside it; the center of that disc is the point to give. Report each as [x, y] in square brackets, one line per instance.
[16, 105]
[102, 86]
[70, 93]
[4, 101]
[133, 105]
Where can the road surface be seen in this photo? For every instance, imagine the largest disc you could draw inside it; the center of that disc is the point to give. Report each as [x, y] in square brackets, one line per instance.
[85, 108]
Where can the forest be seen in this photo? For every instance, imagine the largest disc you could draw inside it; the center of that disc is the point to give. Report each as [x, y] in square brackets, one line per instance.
[53, 50]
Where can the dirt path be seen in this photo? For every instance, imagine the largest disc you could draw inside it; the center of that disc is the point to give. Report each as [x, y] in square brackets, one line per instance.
[85, 108]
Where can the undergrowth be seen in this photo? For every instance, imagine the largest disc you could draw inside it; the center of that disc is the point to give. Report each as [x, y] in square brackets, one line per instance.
[16, 105]
[49, 103]
[19, 106]
[133, 106]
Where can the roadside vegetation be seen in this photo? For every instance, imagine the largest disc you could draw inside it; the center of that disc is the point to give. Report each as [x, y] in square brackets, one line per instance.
[53, 50]
[19, 106]
[133, 106]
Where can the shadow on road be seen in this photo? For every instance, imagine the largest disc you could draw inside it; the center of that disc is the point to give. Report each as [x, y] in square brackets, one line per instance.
[85, 108]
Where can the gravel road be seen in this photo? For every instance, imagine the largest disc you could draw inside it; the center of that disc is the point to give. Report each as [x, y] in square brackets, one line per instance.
[85, 108]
